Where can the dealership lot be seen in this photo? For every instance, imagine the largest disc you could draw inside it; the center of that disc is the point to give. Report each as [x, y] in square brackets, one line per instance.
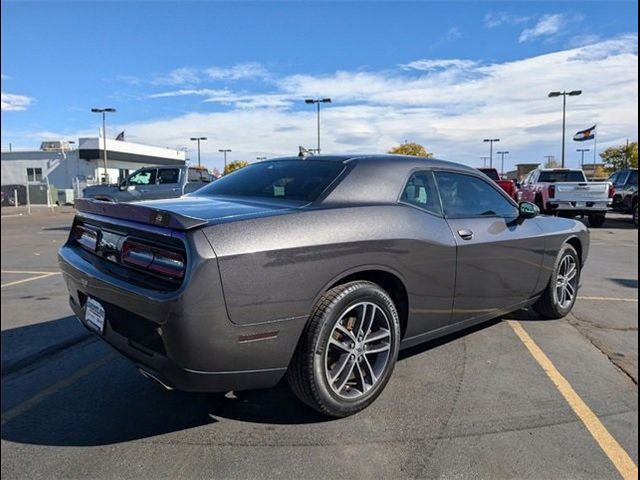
[475, 404]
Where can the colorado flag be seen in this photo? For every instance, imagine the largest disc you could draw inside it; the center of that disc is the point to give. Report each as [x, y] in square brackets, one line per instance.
[583, 135]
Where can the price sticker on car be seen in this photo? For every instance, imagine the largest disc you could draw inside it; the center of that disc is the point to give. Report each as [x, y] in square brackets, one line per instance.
[94, 315]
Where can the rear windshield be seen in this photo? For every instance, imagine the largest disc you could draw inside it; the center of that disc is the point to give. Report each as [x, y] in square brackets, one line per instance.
[562, 176]
[491, 173]
[299, 180]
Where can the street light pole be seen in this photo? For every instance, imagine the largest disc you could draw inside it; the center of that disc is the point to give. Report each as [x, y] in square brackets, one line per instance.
[104, 112]
[484, 161]
[317, 101]
[197, 139]
[491, 140]
[564, 94]
[502, 154]
[225, 151]
[582, 150]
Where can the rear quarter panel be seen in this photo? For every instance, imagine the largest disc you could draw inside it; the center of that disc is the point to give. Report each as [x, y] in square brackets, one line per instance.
[277, 267]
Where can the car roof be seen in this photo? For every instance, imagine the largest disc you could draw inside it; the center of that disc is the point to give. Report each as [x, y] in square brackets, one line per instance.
[376, 179]
[390, 160]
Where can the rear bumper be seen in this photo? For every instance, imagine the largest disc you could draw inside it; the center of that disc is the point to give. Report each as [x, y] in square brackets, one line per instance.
[184, 338]
[579, 207]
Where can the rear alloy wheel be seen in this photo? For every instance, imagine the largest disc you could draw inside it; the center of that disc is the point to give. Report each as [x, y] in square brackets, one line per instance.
[561, 292]
[347, 353]
[596, 220]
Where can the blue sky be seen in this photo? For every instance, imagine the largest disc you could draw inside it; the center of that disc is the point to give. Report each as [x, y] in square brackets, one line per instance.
[445, 74]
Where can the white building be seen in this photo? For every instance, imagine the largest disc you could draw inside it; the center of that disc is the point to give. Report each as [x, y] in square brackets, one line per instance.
[64, 166]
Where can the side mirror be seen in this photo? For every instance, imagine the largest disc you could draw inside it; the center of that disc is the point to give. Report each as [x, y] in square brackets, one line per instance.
[518, 184]
[122, 185]
[528, 210]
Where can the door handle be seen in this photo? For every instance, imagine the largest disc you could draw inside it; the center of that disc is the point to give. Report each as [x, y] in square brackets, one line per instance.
[143, 190]
[175, 189]
[465, 234]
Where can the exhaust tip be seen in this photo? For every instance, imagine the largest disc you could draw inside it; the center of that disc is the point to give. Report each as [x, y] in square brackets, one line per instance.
[151, 376]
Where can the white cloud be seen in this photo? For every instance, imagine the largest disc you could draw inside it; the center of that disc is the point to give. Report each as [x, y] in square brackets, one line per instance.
[497, 19]
[240, 71]
[14, 103]
[179, 76]
[435, 64]
[547, 26]
[450, 106]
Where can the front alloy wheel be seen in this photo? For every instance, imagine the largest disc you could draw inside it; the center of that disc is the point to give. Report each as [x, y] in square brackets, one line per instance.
[561, 292]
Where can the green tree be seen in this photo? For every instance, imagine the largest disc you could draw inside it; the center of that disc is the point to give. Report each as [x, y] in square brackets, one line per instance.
[235, 165]
[411, 148]
[621, 156]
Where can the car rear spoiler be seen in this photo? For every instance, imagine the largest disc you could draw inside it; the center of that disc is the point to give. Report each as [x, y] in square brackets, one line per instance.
[139, 213]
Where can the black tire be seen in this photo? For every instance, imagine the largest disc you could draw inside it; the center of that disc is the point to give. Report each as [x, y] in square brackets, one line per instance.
[540, 205]
[635, 215]
[596, 220]
[307, 374]
[548, 305]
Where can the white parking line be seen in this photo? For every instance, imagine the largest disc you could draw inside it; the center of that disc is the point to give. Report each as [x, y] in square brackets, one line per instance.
[26, 272]
[30, 279]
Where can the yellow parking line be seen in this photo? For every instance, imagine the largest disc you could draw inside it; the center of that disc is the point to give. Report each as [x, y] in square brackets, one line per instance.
[30, 279]
[610, 299]
[27, 272]
[605, 440]
[56, 387]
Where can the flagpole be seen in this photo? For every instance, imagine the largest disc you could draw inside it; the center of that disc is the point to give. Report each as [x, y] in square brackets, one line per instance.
[595, 133]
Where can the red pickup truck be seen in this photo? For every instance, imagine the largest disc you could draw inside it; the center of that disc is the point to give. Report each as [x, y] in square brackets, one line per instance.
[508, 186]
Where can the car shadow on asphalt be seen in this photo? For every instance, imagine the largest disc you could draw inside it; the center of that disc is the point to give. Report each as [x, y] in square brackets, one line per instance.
[114, 404]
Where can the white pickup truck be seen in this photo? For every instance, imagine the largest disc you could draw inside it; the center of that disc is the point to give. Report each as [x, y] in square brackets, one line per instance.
[567, 192]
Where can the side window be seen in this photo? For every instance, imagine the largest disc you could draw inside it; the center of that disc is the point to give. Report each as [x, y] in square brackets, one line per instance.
[194, 175]
[633, 178]
[421, 191]
[168, 175]
[470, 196]
[143, 177]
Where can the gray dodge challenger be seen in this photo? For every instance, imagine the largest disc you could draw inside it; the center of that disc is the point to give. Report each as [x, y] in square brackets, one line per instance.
[319, 269]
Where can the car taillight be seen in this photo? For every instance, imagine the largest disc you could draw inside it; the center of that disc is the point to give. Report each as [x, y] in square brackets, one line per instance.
[552, 191]
[155, 259]
[86, 237]
[612, 191]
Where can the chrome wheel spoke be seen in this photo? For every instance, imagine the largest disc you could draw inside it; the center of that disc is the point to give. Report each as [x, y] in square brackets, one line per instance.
[345, 331]
[352, 362]
[363, 384]
[377, 336]
[382, 348]
[369, 369]
[340, 345]
[341, 368]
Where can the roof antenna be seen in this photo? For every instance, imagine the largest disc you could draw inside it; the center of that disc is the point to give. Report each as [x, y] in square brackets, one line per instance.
[303, 153]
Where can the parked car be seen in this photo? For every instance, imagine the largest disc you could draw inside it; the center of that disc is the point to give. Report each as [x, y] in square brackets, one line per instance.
[152, 183]
[508, 186]
[9, 195]
[317, 269]
[625, 199]
[567, 192]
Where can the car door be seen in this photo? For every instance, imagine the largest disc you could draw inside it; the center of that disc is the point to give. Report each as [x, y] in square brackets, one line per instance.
[429, 262]
[168, 185]
[499, 255]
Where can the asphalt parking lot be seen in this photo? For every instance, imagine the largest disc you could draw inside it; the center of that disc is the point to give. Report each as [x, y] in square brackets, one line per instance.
[516, 397]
